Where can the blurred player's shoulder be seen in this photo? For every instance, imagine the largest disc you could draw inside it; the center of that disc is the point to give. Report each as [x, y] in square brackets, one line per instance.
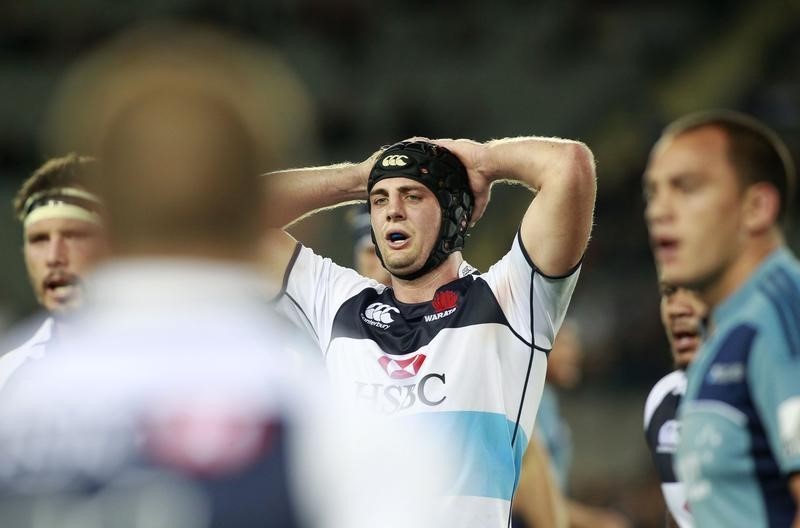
[673, 385]
[25, 342]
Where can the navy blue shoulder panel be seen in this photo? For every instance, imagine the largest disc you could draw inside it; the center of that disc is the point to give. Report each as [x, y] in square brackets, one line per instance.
[400, 328]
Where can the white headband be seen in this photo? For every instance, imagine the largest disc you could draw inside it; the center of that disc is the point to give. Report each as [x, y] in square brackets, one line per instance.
[64, 202]
[61, 210]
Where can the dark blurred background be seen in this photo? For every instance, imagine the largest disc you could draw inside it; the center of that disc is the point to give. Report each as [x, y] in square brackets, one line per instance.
[609, 73]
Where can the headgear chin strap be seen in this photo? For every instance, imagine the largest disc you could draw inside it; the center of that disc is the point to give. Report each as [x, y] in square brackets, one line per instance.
[443, 173]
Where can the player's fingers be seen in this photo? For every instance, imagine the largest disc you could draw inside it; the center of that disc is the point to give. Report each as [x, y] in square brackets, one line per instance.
[481, 201]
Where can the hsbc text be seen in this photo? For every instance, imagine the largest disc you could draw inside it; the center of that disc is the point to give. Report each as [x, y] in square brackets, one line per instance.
[390, 399]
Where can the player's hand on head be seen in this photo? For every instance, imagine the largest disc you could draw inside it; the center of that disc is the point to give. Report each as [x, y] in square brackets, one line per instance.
[365, 167]
[472, 154]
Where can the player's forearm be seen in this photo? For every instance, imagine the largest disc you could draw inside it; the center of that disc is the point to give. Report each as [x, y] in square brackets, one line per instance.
[562, 173]
[538, 501]
[292, 194]
[539, 162]
[794, 486]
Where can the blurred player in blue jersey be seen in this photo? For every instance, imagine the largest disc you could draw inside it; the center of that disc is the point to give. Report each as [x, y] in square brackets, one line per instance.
[179, 398]
[718, 185]
[683, 315]
[444, 350]
[63, 239]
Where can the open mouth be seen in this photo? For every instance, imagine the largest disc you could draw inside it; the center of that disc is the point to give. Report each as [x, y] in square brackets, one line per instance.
[61, 286]
[685, 341]
[664, 247]
[396, 239]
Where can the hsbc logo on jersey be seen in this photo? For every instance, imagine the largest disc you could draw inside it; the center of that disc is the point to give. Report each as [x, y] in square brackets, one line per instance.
[379, 314]
[391, 398]
[402, 368]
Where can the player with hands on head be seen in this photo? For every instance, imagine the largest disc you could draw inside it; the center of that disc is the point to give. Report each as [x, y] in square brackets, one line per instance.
[458, 357]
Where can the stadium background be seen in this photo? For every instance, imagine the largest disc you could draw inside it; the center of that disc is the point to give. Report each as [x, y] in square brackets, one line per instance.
[610, 73]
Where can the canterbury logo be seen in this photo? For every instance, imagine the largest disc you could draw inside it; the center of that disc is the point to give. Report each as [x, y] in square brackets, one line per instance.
[395, 160]
[381, 313]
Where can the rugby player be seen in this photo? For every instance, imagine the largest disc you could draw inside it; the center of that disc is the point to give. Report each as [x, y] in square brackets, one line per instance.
[446, 350]
[683, 315]
[718, 185]
[63, 238]
[180, 398]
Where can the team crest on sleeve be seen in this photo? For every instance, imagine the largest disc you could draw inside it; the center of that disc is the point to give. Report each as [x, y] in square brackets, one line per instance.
[668, 437]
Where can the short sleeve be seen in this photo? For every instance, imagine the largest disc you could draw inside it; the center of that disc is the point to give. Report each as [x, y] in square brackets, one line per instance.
[314, 289]
[533, 302]
[775, 387]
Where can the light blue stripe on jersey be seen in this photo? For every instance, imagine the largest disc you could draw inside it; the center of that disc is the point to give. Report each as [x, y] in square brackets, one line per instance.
[480, 444]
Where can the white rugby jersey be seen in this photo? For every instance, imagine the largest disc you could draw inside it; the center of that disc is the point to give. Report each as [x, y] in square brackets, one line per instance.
[662, 431]
[33, 349]
[464, 366]
[177, 399]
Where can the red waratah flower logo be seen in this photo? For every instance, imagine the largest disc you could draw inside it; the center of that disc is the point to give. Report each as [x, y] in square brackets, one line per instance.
[402, 368]
[444, 300]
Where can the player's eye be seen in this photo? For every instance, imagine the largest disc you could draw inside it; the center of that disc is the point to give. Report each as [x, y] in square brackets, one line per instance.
[38, 239]
[687, 184]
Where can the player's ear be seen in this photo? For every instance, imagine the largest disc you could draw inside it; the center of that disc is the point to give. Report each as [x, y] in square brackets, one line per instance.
[760, 206]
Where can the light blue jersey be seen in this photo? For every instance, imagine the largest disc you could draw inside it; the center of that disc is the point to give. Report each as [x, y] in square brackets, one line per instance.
[556, 435]
[740, 417]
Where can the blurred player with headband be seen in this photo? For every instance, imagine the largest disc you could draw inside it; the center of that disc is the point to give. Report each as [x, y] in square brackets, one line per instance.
[63, 238]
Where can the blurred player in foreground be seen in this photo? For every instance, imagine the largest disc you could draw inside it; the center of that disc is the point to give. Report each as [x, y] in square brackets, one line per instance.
[718, 185]
[445, 350]
[683, 315]
[63, 238]
[179, 398]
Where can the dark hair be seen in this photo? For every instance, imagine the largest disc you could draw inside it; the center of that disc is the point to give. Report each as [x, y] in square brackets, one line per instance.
[756, 152]
[71, 170]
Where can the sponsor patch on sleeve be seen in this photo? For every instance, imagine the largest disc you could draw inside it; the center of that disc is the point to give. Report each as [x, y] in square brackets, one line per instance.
[789, 425]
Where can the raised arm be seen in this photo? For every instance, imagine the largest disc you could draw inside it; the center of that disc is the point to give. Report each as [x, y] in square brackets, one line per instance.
[557, 224]
[292, 194]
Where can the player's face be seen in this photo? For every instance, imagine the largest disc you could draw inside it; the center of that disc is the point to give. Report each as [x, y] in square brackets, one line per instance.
[406, 218]
[682, 314]
[694, 209]
[369, 265]
[58, 254]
